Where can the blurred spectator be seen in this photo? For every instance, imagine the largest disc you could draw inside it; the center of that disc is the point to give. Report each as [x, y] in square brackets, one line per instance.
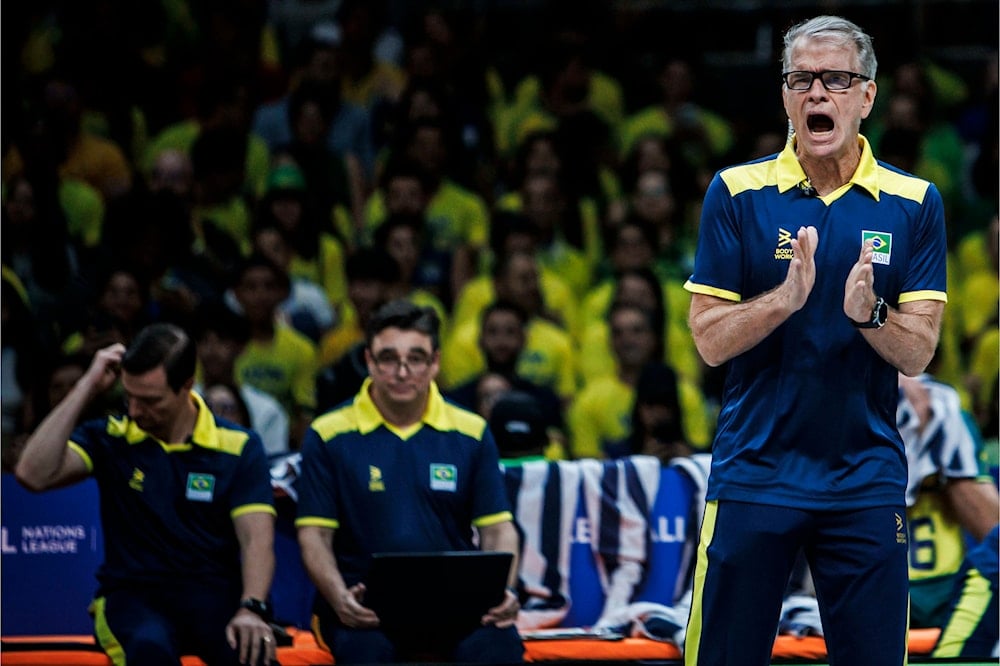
[171, 171]
[278, 360]
[657, 417]
[154, 234]
[502, 339]
[57, 130]
[224, 401]
[117, 311]
[318, 64]
[518, 426]
[37, 251]
[640, 285]
[221, 213]
[307, 308]
[702, 136]
[566, 243]
[599, 418]
[566, 87]
[371, 273]
[457, 218]
[220, 337]
[549, 357]
[20, 362]
[317, 249]
[335, 182]
[367, 81]
[947, 497]
[224, 103]
[641, 288]
[402, 237]
[652, 203]
[294, 20]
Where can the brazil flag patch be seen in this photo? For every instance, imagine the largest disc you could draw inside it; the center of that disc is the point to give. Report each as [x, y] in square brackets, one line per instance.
[444, 477]
[200, 487]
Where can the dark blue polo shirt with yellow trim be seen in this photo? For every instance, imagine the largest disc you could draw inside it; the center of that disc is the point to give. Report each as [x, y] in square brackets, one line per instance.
[167, 510]
[384, 489]
[809, 414]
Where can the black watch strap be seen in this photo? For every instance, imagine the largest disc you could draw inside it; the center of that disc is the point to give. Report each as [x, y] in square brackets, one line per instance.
[880, 312]
[261, 608]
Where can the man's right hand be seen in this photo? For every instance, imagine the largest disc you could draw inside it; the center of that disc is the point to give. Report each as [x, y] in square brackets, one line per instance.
[802, 269]
[351, 611]
[104, 369]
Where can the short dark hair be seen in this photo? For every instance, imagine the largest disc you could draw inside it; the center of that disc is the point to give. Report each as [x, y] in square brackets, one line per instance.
[371, 263]
[258, 260]
[214, 316]
[162, 344]
[502, 305]
[407, 316]
[395, 221]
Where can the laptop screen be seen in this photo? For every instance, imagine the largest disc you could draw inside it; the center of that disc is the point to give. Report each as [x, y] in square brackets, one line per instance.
[446, 591]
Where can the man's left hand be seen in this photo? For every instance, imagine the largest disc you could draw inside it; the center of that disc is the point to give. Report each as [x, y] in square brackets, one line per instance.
[505, 614]
[252, 636]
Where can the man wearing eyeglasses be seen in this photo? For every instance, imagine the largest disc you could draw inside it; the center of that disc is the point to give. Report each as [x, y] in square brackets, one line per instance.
[819, 273]
[400, 470]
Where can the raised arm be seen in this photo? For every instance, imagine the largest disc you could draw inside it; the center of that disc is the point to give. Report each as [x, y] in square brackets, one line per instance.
[47, 462]
[725, 329]
[910, 335]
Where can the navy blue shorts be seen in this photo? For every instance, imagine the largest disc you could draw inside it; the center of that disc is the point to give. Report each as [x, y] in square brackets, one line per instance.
[858, 561]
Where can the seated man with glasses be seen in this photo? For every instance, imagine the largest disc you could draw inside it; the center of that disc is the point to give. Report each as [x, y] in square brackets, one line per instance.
[368, 486]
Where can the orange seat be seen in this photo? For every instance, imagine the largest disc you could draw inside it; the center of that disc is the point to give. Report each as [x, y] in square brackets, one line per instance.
[83, 651]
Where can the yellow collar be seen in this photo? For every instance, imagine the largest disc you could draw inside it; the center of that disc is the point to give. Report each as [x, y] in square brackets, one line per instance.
[790, 172]
[370, 418]
[203, 435]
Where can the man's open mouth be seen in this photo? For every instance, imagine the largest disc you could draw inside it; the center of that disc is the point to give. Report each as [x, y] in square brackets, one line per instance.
[819, 123]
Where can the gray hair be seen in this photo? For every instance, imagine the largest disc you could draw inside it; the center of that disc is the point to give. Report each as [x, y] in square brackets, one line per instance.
[832, 29]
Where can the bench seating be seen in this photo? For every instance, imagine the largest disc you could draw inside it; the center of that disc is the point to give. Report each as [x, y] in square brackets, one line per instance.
[81, 650]
[570, 554]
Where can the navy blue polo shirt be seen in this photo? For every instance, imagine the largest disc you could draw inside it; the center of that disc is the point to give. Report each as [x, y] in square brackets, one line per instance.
[385, 489]
[167, 510]
[809, 414]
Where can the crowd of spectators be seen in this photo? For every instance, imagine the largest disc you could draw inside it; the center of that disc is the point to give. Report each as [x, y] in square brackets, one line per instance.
[297, 164]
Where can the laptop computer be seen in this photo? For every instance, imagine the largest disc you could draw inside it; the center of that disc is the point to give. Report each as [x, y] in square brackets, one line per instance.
[437, 592]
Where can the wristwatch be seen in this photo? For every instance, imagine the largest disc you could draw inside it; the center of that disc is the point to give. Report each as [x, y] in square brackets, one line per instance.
[261, 608]
[880, 312]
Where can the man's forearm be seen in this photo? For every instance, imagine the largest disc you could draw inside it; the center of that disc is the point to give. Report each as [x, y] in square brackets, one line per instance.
[724, 329]
[976, 505]
[257, 552]
[44, 457]
[910, 336]
[321, 564]
[502, 537]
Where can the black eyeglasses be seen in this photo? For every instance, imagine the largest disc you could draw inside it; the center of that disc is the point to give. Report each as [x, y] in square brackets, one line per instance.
[832, 79]
[415, 364]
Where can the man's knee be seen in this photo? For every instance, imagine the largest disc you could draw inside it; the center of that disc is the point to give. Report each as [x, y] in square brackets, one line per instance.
[491, 645]
[360, 646]
[150, 647]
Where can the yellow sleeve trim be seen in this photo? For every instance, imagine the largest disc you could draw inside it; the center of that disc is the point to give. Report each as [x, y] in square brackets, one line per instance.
[252, 508]
[316, 521]
[493, 519]
[83, 454]
[926, 295]
[712, 291]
